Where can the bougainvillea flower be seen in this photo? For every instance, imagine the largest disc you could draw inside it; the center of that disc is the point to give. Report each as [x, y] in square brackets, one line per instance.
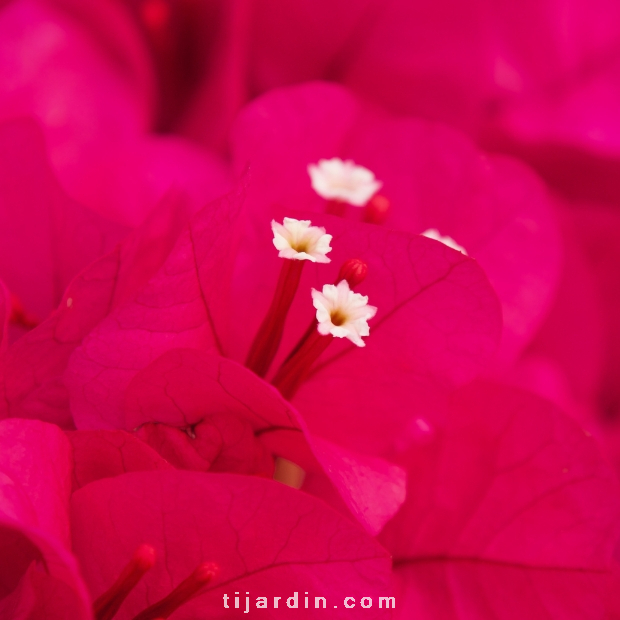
[128, 360]
[432, 177]
[511, 512]
[31, 371]
[39, 578]
[92, 99]
[45, 238]
[439, 327]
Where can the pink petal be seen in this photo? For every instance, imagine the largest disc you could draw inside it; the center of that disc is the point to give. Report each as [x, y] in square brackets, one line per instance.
[36, 458]
[266, 538]
[180, 307]
[5, 315]
[434, 178]
[577, 312]
[42, 578]
[437, 326]
[84, 73]
[510, 508]
[128, 179]
[511, 479]
[598, 229]
[173, 391]
[31, 374]
[45, 596]
[220, 443]
[182, 385]
[53, 71]
[105, 454]
[303, 41]
[111, 29]
[469, 590]
[46, 237]
[372, 488]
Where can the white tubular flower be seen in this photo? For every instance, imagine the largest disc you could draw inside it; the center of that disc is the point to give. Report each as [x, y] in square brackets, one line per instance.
[433, 233]
[334, 179]
[296, 239]
[342, 313]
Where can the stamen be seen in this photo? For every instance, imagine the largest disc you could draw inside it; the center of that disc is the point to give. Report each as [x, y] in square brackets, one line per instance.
[346, 317]
[433, 233]
[106, 606]
[185, 591]
[289, 473]
[377, 209]
[343, 181]
[297, 241]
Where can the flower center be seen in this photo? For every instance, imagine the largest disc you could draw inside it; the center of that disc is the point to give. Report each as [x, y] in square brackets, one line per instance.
[108, 604]
[296, 241]
[341, 313]
[334, 179]
[337, 317]
[344, 183]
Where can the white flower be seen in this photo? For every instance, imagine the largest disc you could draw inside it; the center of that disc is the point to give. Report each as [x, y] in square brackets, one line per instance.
[296, 239]
[342, 313]
[334, 179]
[433, 233]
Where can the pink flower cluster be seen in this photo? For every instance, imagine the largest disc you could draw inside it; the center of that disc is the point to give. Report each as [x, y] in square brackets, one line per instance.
[309, 296]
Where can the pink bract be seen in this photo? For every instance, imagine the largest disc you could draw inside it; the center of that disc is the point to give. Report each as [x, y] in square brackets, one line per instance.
[46, 238]
[106, 454]
[433, 177]
[510, 510]
[31, 371]
[5, 315]
[172, 391]
[187, 305]
[93, 96]
[261, 535]
[126, 372]
[42, 580]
